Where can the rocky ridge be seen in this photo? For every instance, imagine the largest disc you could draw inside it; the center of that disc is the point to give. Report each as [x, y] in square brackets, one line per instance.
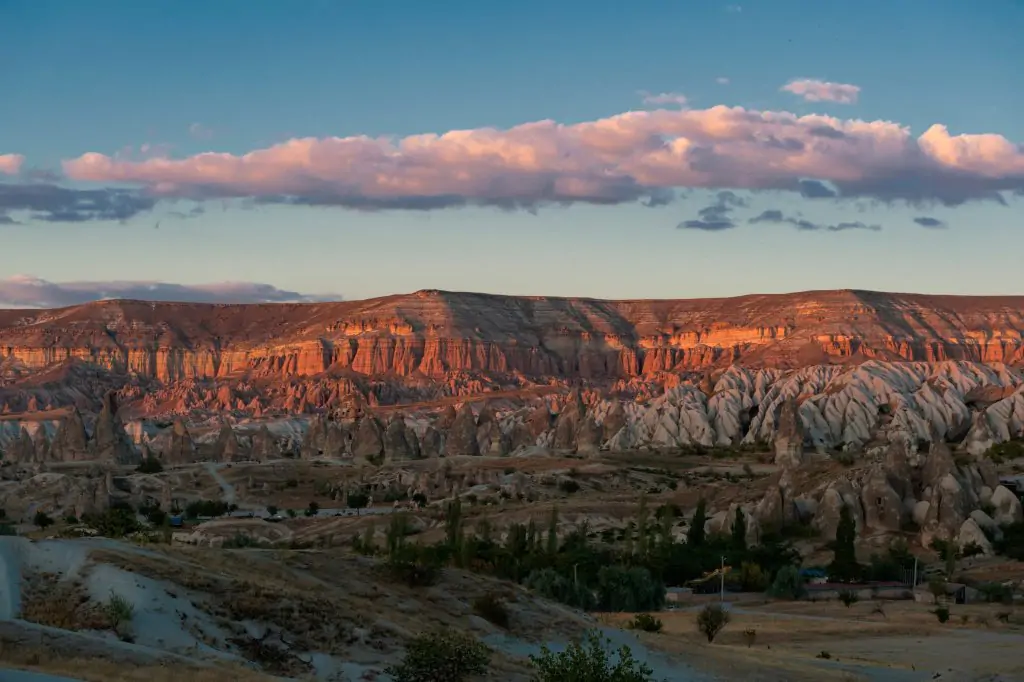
[166, 358]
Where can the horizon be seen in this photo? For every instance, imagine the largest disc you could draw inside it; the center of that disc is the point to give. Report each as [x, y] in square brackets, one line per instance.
[308, 302]
[640, 153]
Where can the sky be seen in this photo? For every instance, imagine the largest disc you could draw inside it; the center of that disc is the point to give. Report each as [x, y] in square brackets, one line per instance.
[325, 149]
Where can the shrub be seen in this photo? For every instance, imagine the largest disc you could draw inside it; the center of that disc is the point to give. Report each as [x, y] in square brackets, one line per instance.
[116, 522]
[412, 566]
[71, 519]
[568, 486]
[441, 656]
[120, 612]
[492, 608]
[788, 584]
[942, 613]
[589, 660]
[313, 509]
[150, 465]
[646, 622]
[42, 520]
[848, 597]
[272, 510]
[711, 619]
[749, 637]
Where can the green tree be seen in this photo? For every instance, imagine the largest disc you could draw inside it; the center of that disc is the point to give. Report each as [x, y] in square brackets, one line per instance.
[590, 660]
[453, 526]
[552, 540]
[739, 531]
[695, 535]
[357, 499]
[641, 527]
[844, 564]
[313, 509]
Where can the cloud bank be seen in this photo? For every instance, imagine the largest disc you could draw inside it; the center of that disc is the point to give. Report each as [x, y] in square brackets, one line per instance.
[717, 216]
[635, 156]
[47, 202]
[812, 90]
[25, 291]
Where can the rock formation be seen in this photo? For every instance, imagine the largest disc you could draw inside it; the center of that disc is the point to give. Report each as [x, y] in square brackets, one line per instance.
[110, 443]
[461, 437]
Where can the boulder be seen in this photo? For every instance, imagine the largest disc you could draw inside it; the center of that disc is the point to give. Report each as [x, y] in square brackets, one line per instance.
[1007, 507]
[970, 533]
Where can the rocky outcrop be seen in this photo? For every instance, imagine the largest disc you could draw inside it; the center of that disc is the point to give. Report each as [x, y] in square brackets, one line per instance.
[432, 443]
[789, 436]
[264, 445]
[227, 448]
[461, 440]
[180, 448]
[1007, 506]
[70, 443]
[368, 441]
[400, 442]
[110, 443]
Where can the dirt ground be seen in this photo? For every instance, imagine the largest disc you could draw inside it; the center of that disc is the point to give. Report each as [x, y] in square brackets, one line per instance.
[826, 640]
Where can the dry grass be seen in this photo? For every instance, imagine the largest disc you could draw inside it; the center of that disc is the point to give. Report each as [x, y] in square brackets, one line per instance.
[61, 604]
[101, 669]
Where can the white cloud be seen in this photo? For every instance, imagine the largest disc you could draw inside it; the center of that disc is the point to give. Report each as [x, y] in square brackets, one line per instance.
[813, 90]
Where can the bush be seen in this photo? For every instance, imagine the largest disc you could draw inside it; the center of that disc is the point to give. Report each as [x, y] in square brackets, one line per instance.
[120, 612]
[42, 520]
[116, 522]
[150, 465]
[492, 608]
[414, 567]
[749, 637]
[646, 622]
[788, 584]
[848, 597]
[942, 613]
[589, 661]
[206, 508]
[711, 619]
[441, 656]
[313, 509]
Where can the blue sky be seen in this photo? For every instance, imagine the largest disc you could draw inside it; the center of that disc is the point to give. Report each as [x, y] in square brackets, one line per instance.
[179, 78]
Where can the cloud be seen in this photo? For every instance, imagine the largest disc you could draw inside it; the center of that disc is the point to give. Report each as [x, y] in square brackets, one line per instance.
[51, 203]
[665, 98]
[25, 291]
[624, 158]
[200, 132]
[722, 80]
[823, 91]
[734, 9]
[926, 221]
[717, 216]
[10, 164]
[778, 217]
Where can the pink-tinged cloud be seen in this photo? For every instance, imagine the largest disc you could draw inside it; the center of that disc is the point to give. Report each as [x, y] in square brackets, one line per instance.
[638, 155]
[823, 91]
[26, 291]
[665, 98]
[10, 164]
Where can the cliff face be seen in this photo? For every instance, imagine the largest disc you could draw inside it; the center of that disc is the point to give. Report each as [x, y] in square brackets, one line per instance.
[435, 334]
